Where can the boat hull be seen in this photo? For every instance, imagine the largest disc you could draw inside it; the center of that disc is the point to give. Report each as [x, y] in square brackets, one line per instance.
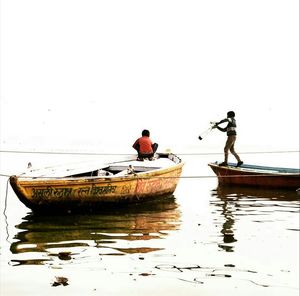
[231, 175]
[97, 192]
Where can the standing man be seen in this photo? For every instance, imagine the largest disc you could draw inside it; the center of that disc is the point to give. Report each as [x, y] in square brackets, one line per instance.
[231, 137]
[144, 146]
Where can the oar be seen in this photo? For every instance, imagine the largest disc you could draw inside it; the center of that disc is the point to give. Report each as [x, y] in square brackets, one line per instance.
[206, 132]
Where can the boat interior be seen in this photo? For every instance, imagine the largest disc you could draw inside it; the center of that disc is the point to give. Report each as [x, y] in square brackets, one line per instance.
[128, 167]
[116, 170]
[96, 168]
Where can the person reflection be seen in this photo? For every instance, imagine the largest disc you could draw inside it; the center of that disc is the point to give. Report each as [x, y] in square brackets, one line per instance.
[228, 206]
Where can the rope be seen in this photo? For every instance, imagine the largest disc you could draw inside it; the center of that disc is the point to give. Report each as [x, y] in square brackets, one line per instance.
[60, 152]
[127, 154]
[4, 212]
[112, 177]
[5, 175]
[156, 177]
[181, 177]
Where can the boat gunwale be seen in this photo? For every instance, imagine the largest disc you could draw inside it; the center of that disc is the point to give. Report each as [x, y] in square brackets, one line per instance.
[256, 170]
[155, 172]
[95, 179]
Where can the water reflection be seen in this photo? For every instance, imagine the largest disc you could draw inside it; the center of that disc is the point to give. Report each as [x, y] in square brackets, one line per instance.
[230, 192]
[234, 201]
[128, 230]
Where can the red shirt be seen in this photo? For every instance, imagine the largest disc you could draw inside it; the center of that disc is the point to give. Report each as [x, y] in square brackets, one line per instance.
[145, 145]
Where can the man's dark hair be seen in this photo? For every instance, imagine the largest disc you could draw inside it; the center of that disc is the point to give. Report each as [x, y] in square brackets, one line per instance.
[230, 114]
[145, 133]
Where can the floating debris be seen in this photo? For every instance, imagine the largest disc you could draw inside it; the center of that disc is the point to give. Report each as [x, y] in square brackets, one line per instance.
[229, 265]
[146, 274]
[60, 280]
[64, 255]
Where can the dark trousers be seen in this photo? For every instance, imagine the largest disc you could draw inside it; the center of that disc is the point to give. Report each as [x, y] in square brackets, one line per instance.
[149, 155]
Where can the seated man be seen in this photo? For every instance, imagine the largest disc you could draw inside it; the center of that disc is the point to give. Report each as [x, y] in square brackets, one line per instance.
[144, 146]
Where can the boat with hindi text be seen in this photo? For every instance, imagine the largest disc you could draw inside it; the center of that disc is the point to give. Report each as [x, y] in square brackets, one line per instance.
[78, 187]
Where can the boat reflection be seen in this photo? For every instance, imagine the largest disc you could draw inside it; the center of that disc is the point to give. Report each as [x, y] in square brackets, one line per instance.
[229, 192]
[128, 230]
[234, 201]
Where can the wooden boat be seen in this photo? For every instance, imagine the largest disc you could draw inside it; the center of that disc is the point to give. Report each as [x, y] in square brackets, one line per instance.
[78, 187]
[255, 175]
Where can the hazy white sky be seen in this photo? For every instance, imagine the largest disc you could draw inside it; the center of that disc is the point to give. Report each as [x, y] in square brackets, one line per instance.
[95, 73]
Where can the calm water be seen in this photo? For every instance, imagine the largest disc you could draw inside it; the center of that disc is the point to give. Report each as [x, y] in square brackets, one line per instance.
[204, 240]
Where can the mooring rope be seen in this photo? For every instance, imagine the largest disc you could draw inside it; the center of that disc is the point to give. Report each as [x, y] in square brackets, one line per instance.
[128, 154]
[119, 154]
[111, 179]
[4, 212]
[5, 175]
